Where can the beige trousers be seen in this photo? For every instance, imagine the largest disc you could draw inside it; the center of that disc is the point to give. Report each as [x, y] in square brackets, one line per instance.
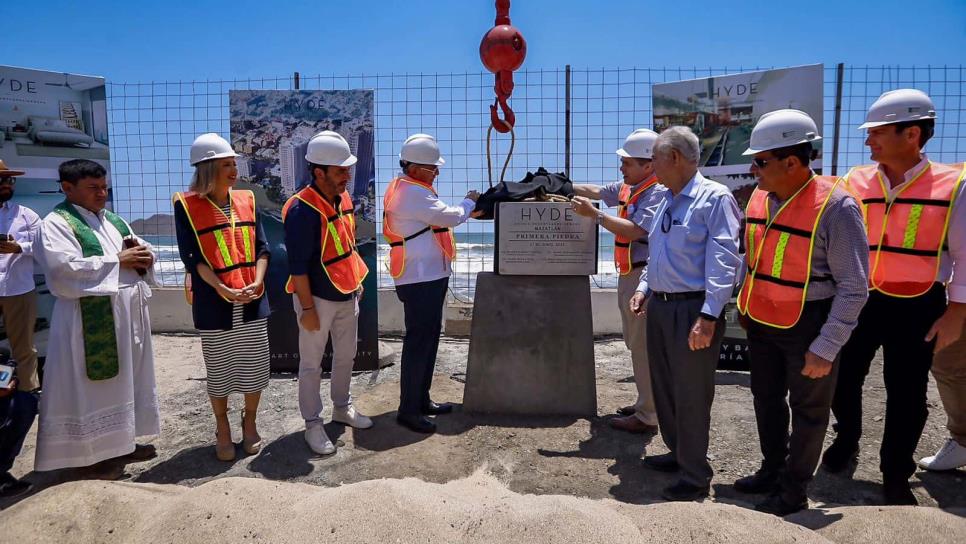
[19, 317]
[635, 338]
[949, 369]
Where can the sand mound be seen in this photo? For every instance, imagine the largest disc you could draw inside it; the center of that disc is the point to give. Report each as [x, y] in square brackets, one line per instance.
[476, 509]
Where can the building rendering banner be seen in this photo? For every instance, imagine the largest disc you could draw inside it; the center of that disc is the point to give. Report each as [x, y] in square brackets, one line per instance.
[722, 110]
[270, 130]
[47, 118]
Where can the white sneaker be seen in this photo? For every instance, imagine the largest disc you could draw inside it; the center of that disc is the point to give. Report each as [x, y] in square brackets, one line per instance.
[951, 455]
[318, 441]
[351, 417]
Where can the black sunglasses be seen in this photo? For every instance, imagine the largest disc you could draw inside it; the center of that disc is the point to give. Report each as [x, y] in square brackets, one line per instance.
[761, 163]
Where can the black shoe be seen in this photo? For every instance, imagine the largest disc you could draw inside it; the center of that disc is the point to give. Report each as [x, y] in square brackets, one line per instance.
[838, 457]
[763, 481]
[433, 409]
[896, 491]
[776, 505]
[416, 423]
[627, 410]
[665, 463]
[683, 491]
[11, 487]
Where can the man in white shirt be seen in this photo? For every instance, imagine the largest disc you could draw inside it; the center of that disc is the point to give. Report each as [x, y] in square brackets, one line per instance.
[19, 228]
[99, 388]
[419, 229]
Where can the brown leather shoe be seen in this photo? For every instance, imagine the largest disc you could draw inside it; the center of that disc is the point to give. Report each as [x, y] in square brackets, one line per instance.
[628, 410]
[632, 424]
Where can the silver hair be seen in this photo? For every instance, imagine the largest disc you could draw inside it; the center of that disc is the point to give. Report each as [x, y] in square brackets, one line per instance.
[680, 139]
[203, 180]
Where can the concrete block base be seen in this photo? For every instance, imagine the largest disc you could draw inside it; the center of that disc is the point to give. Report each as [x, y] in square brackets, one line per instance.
[532, 347]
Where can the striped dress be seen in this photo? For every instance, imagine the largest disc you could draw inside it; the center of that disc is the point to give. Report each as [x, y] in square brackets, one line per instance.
[236, 360]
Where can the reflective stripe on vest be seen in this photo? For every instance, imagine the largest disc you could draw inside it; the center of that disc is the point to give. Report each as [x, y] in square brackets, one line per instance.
[622, 246]
[226, 243]
[779, 253]
[443, 236]
[907, 235]
[340, 260]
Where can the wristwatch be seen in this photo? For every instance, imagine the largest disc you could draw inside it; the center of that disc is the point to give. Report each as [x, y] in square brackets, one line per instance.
[707, 316]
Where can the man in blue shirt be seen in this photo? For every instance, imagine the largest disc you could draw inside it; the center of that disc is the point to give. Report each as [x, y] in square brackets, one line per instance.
[690, 275]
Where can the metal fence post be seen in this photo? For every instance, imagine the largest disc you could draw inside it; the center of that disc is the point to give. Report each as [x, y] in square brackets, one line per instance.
[839, 73]
[567, 120]
[295, 80]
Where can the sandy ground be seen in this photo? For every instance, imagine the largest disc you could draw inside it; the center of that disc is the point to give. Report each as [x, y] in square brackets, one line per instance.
[539, 456]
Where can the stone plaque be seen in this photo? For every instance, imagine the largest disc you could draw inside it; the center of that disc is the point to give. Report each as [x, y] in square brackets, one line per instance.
[544, 239]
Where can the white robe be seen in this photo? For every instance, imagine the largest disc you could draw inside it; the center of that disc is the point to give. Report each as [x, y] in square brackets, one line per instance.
[82, 421]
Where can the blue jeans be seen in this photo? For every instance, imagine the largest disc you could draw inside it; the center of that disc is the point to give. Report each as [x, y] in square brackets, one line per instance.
[17, 413]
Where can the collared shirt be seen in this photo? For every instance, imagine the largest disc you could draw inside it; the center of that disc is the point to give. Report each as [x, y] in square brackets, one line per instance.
[641, 213]
[17, 269]
[836, 255]
[416, 207]
[303, 244]
[952, 263]
[694, 243]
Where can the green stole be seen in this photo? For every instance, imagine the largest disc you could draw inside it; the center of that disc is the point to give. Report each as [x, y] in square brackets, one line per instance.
[97, 313]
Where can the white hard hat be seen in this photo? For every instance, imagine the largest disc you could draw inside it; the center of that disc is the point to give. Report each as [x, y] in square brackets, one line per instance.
[639, 144]
[329, 148]
[208, 147]
[782, 128]
[421, 149]
[898, 106]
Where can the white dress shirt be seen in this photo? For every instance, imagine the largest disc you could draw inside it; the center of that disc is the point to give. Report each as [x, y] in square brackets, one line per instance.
[415, 208]
[17, 269]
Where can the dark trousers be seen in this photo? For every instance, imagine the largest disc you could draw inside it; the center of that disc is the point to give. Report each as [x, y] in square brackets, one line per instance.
[899, 326]
[17, 414]
[777, 357]
[423, 309]
[683, 383]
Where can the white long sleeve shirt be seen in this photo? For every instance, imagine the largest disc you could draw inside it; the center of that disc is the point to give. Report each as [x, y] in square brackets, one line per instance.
[17, 269]
[415, 207]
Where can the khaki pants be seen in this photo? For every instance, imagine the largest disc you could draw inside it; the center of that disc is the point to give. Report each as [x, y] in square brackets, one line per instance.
[19, 316]
[635, 338]
[949, 369]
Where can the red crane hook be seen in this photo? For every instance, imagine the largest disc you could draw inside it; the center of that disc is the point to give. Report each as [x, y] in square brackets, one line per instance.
[502, 51]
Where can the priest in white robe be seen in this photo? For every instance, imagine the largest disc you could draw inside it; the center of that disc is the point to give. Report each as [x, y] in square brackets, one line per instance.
[99, 390]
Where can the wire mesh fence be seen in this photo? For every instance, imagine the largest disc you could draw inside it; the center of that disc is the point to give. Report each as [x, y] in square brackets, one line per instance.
[567, 120]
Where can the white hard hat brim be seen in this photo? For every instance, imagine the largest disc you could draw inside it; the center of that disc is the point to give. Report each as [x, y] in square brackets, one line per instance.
[873, 124]
[752, 151]
[349, 161]
[439, 162]
[623, 153]
[224, 155]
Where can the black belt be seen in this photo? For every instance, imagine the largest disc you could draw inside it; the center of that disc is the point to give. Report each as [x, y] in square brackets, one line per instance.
[639, 264]
[686, 295]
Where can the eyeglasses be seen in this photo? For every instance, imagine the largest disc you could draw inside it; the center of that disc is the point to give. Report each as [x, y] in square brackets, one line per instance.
[761, 163]
[5, 180]
[666, 222]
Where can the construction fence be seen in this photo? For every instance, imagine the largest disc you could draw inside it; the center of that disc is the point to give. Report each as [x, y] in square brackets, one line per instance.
[568, 120]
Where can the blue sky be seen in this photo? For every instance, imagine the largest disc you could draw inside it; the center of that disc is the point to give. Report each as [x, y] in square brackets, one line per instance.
[178, 40]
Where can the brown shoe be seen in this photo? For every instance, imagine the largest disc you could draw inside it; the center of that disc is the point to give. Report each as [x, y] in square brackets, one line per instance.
[142, 452]
[627, 410]
[632, 424]
[105, 470]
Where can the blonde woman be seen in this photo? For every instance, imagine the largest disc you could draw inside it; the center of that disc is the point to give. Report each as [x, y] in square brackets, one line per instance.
[225, 253]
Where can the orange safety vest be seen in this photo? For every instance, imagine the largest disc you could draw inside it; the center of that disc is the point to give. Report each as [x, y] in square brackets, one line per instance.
[779, 253]
[908, 235]
[397, 243]
[622, 246]
[340, 258]
[227, 243]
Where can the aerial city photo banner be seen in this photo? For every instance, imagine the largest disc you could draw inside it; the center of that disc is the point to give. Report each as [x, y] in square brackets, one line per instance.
[722, 110]
[47, 118]
[270, 130]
